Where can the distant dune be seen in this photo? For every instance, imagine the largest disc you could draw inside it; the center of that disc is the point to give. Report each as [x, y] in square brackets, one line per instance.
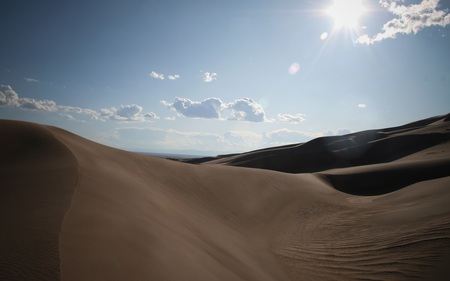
[372, 205]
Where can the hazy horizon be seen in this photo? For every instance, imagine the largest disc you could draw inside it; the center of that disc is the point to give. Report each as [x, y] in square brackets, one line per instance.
[223, 77]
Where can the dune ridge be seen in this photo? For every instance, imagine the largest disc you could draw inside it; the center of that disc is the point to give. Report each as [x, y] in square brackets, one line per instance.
[38, 176]
[372, 205]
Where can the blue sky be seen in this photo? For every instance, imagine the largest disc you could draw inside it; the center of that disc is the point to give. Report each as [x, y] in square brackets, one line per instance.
[222, 76]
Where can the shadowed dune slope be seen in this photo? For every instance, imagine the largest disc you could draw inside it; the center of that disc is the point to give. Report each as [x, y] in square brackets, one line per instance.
[78, 210]
[361, 148]
[37, 177]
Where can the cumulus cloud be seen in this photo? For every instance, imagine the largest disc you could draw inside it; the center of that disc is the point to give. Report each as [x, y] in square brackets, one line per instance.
[209, 76]
[209, 108]
[126, 113]
[247, 109]
[9, 97]
[292, 118]
[408, 19]
[244, 109]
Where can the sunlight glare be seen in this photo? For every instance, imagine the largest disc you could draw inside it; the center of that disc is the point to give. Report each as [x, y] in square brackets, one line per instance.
[346, 13]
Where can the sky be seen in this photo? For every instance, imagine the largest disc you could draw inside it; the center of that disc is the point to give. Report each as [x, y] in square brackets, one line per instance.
[211, 77]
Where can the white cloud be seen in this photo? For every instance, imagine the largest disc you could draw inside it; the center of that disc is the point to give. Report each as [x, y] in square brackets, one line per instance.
[290, 118]
[161, 76]
[244, 109]
[151, 115]
[247, 109]
[126, 113]
[209, 76]
[362, 105]
[8, 96]
[209, 108]
[173, 77]
[409, 19]
[156, 75]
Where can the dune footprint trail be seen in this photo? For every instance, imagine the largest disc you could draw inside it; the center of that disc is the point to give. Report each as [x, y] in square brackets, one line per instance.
[310, 211]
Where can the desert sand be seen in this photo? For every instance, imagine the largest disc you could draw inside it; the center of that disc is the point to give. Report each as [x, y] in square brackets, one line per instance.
[372, 205]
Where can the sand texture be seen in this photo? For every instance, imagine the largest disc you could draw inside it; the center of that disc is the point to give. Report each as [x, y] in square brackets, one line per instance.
[373, 205]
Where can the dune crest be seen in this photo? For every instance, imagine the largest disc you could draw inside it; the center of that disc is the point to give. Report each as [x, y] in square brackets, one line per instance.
[372, 205]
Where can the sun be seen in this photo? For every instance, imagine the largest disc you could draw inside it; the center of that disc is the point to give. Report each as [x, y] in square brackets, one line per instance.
[346, 13]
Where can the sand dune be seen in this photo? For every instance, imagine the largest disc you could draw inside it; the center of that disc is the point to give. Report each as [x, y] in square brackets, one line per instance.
[373, 205]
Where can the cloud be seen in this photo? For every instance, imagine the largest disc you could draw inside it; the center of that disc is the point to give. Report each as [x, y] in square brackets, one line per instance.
[160, 76]
[408, 19]
[173, 77]
[151, 115]
[339, 132]
[156, 75]
[209, 76]
[158, 138]
[362, 105]
[290, 118]
[244, 109]
[31, 80]
[9, 97]
[209, 108]
[126, 113]
[247, 109]
[286, 136]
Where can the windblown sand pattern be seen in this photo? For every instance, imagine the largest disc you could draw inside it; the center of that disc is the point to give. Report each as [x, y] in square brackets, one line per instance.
[372, 205]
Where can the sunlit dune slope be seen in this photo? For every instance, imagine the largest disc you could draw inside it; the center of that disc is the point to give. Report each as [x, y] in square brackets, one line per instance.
[77, 210]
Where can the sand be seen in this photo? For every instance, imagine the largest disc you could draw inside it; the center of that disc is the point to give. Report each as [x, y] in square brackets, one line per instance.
[373, 205]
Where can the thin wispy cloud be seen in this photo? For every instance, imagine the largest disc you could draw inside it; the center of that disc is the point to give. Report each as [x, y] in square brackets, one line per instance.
[31, 80]
[228, 141]
[292, 118]
[362, 105]
[338, 132]
[286, 136]
[409, 19]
